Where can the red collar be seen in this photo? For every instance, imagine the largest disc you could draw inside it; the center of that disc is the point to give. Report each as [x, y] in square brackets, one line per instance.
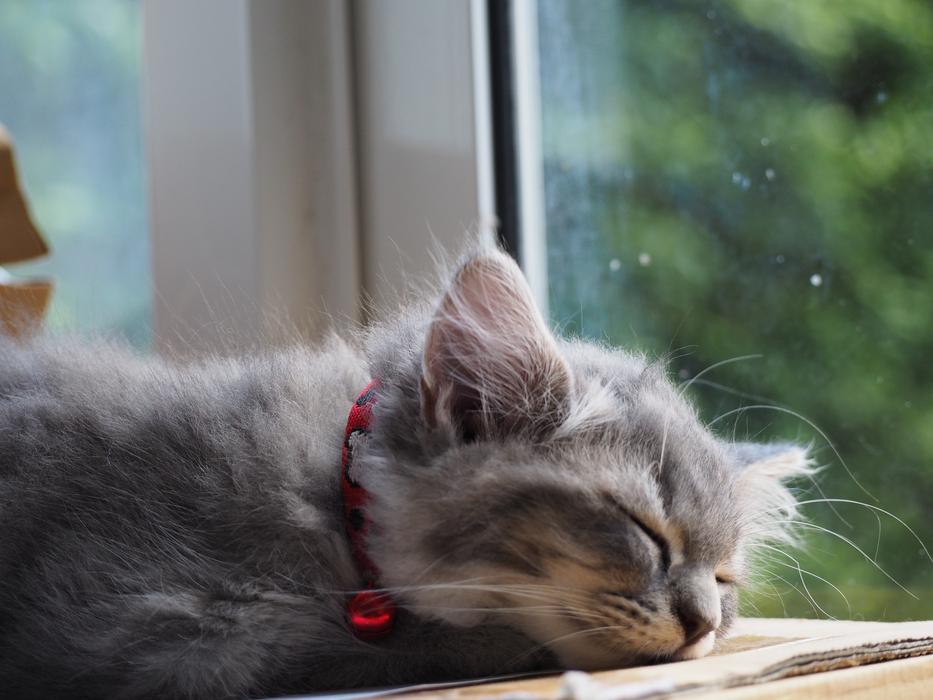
[370, 612]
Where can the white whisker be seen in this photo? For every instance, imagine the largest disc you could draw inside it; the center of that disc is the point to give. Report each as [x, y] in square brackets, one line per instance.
[809, 422]
[721, 363]
[857, 549]
[877, 510]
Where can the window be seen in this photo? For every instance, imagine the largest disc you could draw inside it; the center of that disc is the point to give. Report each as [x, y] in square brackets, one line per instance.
[744, 187]
[69, 96]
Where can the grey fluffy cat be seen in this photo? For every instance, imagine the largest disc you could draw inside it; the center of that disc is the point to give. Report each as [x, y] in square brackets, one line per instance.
[176, 531]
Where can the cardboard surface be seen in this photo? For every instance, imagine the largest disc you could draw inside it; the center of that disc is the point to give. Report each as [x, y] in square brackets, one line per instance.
[23, 305]
[22, 302]
[19, 238]
[904, 679]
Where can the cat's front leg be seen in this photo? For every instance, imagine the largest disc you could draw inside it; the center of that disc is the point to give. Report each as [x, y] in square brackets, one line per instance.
[423, 651]
[195, 645]
[183, 644]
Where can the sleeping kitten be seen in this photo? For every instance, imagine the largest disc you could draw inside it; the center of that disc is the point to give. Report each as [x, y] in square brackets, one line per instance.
[530, 503]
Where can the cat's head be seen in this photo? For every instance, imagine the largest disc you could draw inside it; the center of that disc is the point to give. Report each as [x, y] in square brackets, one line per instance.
[561, 487]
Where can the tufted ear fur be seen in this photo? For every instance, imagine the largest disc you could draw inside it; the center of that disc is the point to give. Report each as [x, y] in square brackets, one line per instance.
[764, 471]
[777, 460]
[490, 366]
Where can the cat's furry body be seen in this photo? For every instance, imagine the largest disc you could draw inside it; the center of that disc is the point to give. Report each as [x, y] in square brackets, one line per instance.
[176, 531]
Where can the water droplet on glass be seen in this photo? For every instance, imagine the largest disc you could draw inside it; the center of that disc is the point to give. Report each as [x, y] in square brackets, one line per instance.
[908, 404]
[779, 259]
[644, 259]
[881, 97]
[765, 141]
[742, 180]
[615, 264]
[711, 14]
[769, 173]
[816, 279]
[683, 373]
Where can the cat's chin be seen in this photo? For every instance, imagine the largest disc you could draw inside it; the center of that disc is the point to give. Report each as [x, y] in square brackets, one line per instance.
[596, 657]
[698, 649]
[589, 658]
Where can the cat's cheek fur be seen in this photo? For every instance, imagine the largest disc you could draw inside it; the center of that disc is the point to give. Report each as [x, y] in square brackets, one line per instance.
[460, 606]
[586, 647]
[569, 643]
[729, 602]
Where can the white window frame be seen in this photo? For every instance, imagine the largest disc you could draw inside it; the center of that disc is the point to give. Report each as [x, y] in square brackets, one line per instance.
[529, 151]
[305, 156]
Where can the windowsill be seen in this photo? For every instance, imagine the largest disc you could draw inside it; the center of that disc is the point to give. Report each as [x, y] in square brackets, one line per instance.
[762, 658]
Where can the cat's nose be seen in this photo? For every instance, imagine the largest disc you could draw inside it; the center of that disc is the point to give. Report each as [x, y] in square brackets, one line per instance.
[696, 603]
[695, 622]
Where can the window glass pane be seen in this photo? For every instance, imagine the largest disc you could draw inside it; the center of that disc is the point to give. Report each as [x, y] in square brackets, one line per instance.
[69, 96]
[744, 178]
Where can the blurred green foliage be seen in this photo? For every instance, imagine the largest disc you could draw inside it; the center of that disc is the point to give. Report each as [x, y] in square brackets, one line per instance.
[755, 177]
[70, 96]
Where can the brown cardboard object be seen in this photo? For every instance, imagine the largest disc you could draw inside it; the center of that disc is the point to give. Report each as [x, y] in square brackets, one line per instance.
[22, 302]
[787, 659]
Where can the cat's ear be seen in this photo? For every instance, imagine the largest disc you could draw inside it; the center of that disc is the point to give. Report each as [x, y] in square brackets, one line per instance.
[490, 366]
[764, 473]
[771, 460]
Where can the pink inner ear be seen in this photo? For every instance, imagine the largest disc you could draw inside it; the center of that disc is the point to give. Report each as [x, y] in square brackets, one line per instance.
[490, 364]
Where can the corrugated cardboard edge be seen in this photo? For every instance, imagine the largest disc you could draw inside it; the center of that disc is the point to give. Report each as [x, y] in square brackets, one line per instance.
[904, 679]
[23, 305]
[829, 648]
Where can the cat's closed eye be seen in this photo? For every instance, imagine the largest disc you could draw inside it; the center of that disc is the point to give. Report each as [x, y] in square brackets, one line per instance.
[627, 521]
[659, 540]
